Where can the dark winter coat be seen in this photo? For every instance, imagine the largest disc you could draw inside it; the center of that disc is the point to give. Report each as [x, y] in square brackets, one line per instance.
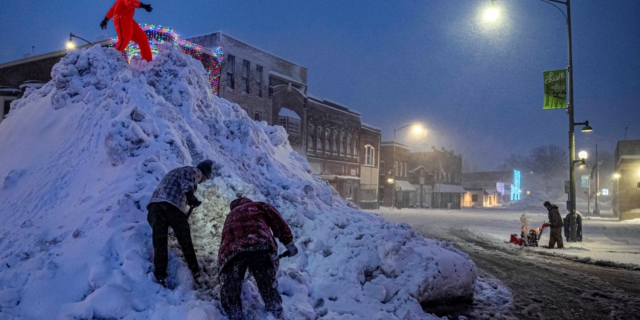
[175, 185]
[555, 219]
[249, 227]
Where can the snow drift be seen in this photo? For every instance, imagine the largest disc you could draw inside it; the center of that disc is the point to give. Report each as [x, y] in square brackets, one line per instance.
[80, 157]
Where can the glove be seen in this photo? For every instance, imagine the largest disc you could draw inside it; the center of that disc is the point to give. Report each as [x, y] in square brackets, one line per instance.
[293, 250]
[192, 201]
[146, 7]
[103, 23]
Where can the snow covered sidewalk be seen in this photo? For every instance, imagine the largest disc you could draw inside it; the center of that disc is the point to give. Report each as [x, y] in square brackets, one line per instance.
[605, 241]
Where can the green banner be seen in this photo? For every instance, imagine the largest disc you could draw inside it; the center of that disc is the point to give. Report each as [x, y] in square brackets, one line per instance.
[555, 89]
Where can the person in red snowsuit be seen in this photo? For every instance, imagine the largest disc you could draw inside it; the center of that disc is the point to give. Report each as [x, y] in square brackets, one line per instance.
[128, 29]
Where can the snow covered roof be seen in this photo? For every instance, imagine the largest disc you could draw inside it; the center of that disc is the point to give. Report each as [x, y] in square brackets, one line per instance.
[404, 185]
[286, 112]
[370, 127]
[448, 188]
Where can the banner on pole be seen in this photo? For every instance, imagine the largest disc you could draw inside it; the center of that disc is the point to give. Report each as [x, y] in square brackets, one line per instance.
[584, 181]
[555, 89]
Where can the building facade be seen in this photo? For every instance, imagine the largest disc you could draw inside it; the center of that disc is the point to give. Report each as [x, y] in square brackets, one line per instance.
[491, 187]
[625, 200]
[369, 166]
[446, 170]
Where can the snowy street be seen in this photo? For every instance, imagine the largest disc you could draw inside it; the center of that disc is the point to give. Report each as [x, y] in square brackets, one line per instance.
[593, 279]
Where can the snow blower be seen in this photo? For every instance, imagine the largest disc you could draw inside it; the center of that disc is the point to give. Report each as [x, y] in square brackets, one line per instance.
[529, 239]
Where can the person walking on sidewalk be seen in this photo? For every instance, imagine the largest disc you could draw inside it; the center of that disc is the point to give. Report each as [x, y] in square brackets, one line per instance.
[556, 224]
[167, 208]
[248, 243]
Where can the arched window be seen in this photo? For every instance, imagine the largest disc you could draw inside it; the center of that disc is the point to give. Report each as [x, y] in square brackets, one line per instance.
[319, 134]
[348, 145]
[327, 145]
[396, 167]
[334, 141]
[310, 134]
[369, 155]
[405, 169]
[355, 147]
[341, 138]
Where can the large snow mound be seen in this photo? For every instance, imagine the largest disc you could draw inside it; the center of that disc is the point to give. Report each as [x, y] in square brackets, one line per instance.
[81, 156]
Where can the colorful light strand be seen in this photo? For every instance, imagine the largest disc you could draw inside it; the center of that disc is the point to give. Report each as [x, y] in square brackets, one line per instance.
[211, 59]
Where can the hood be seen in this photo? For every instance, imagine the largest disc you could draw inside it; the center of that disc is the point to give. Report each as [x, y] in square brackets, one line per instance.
[238, 202]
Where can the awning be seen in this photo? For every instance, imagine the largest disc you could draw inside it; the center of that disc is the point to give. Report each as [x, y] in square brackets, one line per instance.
[448, 188]
[490, 192]
[404, 186]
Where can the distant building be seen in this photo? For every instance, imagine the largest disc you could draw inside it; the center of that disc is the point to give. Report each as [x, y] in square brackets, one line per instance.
[626, 188]
[420, 179]
[369, 166]
[491, 187]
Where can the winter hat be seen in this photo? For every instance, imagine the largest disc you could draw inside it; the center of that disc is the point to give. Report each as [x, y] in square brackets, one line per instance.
[237, 202]
[547, 204]
[206, 167]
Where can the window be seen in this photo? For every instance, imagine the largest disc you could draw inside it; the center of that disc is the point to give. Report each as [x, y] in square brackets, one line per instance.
[474, 198]
[405, 169]
[259, 80]
[231, 61]
[369, 155]
[245, 76]
[396, 167]
[291, 125]
[257, 116]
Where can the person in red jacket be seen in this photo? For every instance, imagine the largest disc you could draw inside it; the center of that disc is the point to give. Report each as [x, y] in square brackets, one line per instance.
[128, 29]
[248, 242]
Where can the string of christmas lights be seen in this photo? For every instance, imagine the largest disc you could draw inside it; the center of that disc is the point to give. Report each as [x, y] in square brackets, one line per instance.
[211, 59]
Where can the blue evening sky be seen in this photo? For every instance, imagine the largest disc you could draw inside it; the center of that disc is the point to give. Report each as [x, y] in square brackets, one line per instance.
[476, 86]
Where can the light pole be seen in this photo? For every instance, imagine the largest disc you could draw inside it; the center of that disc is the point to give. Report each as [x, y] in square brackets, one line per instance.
[71, 45]
[416, 128]
[570, 112]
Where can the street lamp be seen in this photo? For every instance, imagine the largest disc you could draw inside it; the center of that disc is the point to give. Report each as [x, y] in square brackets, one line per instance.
[71, 45]
[570, 112]
[417, 128]
[582, 155]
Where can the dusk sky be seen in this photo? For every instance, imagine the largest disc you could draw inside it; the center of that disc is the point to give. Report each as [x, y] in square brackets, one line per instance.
[476, 86]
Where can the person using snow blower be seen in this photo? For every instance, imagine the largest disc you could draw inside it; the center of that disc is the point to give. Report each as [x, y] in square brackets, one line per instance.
[556, 224]
[248, 243]
[128, 29]
[167, 209]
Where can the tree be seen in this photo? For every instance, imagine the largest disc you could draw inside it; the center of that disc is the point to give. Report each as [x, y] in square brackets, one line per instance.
[516, 162]
[548, 160]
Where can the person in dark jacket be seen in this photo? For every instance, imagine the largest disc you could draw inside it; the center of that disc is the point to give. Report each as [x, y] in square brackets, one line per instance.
[167, 208]
[248, 242]
[556, 224]
[567, 226]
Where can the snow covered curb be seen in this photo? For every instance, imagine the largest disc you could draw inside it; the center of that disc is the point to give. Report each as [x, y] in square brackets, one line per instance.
[81, 156]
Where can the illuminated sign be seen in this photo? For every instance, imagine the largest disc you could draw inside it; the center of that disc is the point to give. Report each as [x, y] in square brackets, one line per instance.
[515, 187]
[500, 187]
[605, 192]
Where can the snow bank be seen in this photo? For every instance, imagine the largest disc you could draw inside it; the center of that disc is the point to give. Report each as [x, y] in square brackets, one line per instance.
[531, 202]
[80, 157]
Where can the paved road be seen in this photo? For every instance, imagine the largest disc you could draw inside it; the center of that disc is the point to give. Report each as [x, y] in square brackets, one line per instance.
[544, 286]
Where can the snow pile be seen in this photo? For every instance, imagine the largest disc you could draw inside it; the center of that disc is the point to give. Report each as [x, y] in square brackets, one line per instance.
[530, 202]
[80, 157]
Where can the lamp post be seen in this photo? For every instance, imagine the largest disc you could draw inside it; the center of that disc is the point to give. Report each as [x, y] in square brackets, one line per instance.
[617, 211]
[416, 128]
[71, 45]
[570, 110]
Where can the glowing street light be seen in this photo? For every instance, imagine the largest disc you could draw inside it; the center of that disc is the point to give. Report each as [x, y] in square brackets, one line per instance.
[616, 176]
[71, 45]
[492, 13]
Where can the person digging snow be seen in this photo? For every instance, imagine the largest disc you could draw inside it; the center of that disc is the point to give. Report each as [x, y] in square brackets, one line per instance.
[167, 209]
[248, 243]
[128, 29]
[555, 222]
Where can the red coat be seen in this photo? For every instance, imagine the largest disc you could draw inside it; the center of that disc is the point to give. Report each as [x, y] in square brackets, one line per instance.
[248, 227]
[123, 9]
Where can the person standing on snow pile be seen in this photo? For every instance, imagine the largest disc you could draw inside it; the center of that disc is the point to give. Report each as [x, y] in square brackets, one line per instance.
[128, 29]
[248, 242]
[167, 209]
[555, 222]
